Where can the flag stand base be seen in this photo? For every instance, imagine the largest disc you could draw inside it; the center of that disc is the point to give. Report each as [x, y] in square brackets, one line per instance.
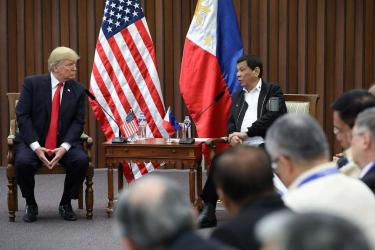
[119, 140]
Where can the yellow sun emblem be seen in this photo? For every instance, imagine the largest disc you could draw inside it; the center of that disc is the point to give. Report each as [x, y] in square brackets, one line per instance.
[201, 11]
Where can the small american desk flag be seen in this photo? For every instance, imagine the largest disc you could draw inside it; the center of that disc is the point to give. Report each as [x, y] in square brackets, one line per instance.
[130, 125]
[124, 74]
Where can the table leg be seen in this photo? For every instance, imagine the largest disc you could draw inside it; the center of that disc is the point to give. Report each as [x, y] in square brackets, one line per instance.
[199, 178]
[110, 190]
[120, 179]
[192, 183]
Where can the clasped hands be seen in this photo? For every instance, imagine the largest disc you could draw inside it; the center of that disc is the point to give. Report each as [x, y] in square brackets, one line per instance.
[237, 138]
[42, 153]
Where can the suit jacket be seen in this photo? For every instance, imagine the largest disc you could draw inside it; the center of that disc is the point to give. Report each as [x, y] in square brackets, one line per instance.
[369, 180]
[34, 111]
[336, 193]
[265, 117]
[239, 232]
[191, 240]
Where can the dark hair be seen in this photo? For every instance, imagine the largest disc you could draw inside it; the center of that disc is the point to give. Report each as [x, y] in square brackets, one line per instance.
[253, 62]
[351, 103]
[244, 172]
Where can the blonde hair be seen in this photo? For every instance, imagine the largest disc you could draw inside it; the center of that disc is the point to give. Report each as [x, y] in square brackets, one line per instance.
[59, 54]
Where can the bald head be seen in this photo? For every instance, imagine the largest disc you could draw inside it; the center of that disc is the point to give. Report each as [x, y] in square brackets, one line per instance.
[243, 172]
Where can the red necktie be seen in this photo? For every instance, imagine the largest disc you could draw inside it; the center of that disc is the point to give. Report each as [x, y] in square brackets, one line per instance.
[51, 139]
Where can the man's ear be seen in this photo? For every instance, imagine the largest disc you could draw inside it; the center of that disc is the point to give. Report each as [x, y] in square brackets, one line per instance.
[367, 140]
[227, 202]
[129, 244]
[223, 198]
[286, 167]
[257, 71]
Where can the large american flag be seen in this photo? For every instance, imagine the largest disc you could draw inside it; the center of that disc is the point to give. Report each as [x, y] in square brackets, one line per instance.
[124, 74]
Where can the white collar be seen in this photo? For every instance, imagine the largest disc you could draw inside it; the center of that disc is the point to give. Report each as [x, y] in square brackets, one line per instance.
[256, 88]
[366, 169]
[54, 81]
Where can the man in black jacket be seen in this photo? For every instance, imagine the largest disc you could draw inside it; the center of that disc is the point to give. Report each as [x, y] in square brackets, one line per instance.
[254, 109]
[244, 181]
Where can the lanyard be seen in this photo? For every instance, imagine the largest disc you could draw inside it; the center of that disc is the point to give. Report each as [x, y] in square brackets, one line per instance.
[318, 175]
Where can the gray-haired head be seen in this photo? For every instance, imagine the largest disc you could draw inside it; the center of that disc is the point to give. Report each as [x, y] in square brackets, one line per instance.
[152, 212]
[310, 231]
[297, 136]
[365, 122]
[372, 89]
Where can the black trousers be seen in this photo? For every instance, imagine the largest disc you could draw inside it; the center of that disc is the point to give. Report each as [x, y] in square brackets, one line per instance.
[209, 194]
[75, 161]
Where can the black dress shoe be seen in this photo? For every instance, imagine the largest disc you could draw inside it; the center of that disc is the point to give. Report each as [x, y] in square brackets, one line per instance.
[207, 218]
[31, 214]
[67, 213]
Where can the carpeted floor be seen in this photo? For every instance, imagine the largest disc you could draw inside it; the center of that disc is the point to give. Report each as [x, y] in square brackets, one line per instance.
[51, 232]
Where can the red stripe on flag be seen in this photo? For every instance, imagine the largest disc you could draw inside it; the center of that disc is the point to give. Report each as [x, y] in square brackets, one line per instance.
[142, 168]
[128, 173]
[147, 41]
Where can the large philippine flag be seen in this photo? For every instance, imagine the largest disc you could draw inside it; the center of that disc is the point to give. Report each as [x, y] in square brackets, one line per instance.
[212, 46]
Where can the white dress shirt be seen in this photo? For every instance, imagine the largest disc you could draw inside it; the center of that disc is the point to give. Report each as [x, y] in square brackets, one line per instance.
[54, 82]
[251, 115]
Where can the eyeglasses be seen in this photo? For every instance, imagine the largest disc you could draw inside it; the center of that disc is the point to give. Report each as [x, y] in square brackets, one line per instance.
[336, 130]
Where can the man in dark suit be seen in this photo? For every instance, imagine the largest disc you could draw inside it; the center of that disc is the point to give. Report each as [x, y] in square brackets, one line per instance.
[155, 213]
[363, 146]
[253, 111]
[244, 181]
[50, 116]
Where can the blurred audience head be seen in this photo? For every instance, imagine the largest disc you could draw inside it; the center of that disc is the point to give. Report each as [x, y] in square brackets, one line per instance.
[363, 140]
[310, 231]
[371, 90]
[243, 174]
[345, 110]
[152, 212]
[296, 143]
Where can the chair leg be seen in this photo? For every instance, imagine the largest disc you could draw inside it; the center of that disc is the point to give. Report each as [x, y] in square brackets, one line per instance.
[12, 204]
[80, 198]
[15, 191]
[89, 193]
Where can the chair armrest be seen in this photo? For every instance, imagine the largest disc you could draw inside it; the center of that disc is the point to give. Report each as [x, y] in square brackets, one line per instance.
[86, 139]
[87, 146]
[10, 140]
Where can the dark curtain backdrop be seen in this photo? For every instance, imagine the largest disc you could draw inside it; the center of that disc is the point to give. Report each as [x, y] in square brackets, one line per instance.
[308, 46]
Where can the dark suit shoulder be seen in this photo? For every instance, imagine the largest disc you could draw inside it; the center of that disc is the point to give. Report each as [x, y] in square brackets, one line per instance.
[369, 180]
[193, 241]
[36, 78]
[239, 231]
